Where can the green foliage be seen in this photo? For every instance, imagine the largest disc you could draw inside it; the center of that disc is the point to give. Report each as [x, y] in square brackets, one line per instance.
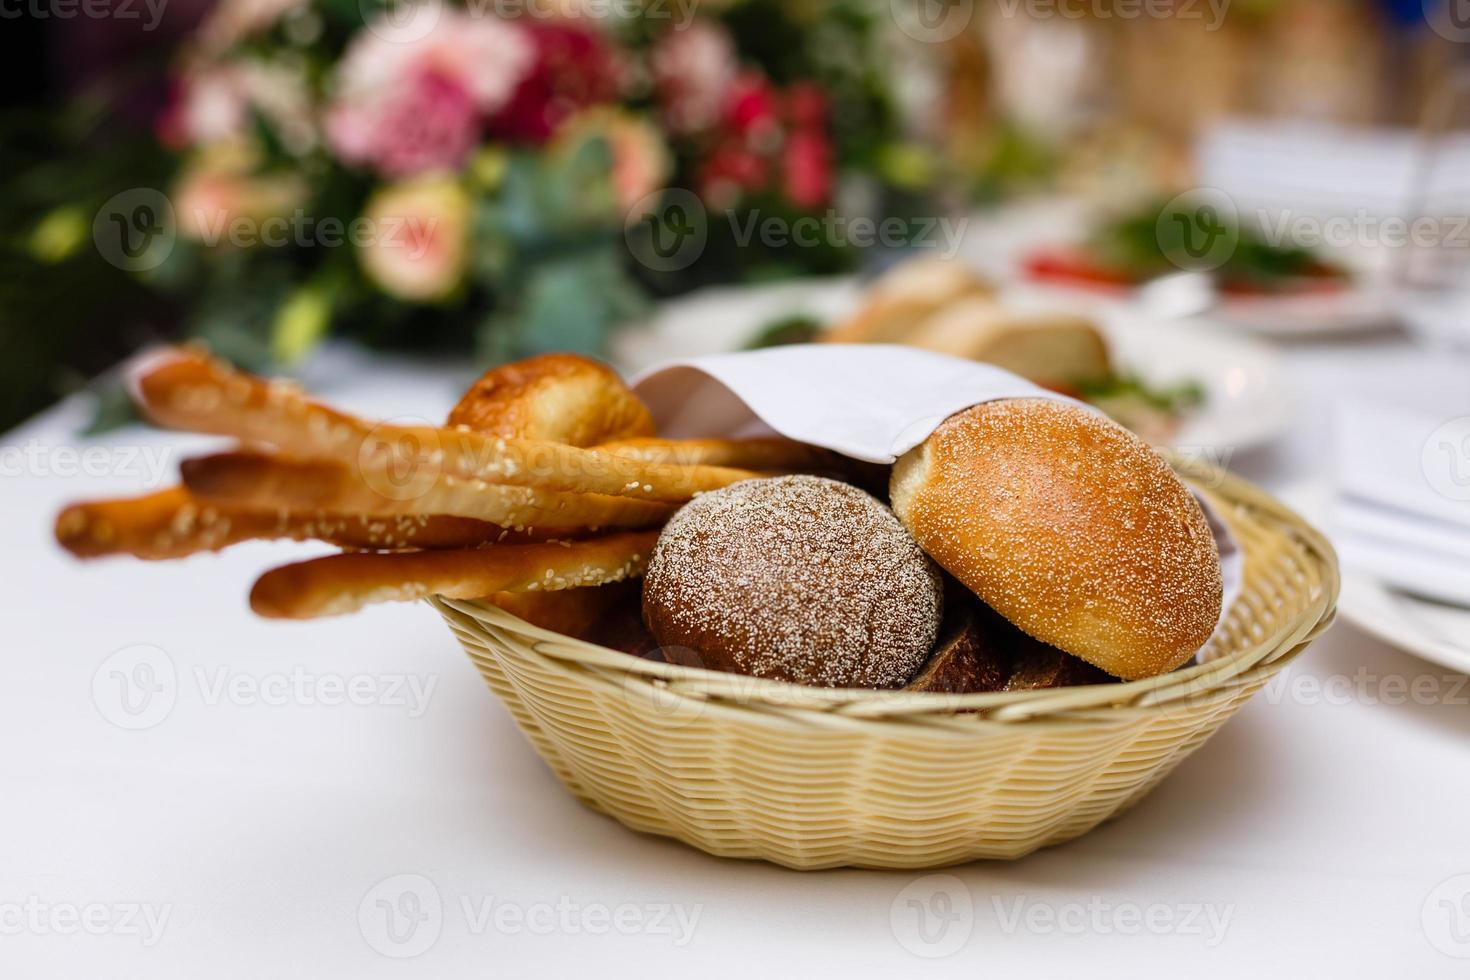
[1141, 241]
[787, 330]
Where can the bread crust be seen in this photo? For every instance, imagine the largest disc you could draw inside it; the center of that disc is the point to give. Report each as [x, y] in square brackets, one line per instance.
[1071, 527]
[344, 583]
[562, 398]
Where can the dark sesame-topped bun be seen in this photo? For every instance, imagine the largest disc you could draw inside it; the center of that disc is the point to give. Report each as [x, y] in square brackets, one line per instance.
[797, 578]
[1069, 526]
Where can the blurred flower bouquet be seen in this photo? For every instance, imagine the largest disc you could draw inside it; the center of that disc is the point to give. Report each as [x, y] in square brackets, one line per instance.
[502, 176]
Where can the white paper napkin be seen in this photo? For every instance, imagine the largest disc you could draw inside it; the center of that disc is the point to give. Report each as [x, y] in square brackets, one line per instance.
[872, 402]
[1397, 512]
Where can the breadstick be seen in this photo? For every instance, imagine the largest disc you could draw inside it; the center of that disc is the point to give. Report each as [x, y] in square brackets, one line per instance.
[254, 480]
[186, 390]
[344, 583]
[781, 455]
[173, 524]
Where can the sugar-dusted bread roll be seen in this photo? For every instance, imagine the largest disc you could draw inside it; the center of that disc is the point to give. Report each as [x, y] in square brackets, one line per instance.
[1069, 526]
[796, 578]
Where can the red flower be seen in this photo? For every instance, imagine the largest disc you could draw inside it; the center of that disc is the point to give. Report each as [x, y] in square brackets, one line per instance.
[752, 109]
[806, 106]
[731, 170]
[573, 69]
[806, 164]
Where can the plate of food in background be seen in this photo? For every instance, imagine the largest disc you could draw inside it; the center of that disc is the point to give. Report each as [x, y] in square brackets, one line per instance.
[1198, 387]
[1260, 279]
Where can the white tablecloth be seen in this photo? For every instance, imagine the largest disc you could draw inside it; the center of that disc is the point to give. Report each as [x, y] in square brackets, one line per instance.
[262, 823]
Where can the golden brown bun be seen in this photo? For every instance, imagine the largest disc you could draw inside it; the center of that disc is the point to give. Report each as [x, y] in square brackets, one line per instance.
[554, 398]
[904, 296]
[1054, 349]
[1069, 526]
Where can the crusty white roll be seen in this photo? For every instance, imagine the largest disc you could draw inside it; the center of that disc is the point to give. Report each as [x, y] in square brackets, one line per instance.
[1058, 350]
[904, 296]
[1069, 526]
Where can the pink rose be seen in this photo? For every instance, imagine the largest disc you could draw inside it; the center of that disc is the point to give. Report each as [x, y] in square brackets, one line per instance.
[218, 189]
[640, 161]
[417, 240]
[411, 96]
[430, 123]
[694, 70]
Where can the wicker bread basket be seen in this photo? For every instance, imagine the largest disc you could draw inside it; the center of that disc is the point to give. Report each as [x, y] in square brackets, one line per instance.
[814, 778]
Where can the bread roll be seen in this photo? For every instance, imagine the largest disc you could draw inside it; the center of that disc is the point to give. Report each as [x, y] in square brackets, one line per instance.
[1058, 350]
[905, 295]
[968, 659]
[562, 398]
[1069, 526]
[796, 578]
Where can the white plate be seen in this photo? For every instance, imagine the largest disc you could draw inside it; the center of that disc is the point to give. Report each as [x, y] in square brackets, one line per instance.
[1247, 400]
[1352, 310]
[1355, 309]
[1435, 631]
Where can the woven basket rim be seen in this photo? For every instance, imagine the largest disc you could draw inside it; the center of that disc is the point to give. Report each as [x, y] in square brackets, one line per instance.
[1236, 501]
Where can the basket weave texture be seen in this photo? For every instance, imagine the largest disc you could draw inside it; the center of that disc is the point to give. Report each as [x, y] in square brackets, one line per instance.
[814, 778]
